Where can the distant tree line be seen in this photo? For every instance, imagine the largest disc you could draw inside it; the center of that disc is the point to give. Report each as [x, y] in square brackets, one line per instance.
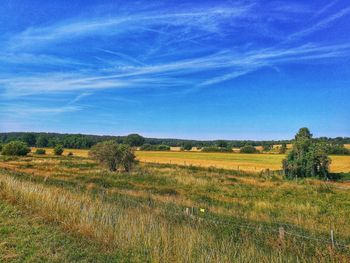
[82, 141]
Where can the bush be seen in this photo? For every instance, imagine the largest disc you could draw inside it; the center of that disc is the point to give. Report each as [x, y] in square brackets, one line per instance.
[0, 148]
[40, 151]
[58, 150]
[15, 148]
[70, 154]
[248, 149]
[113, 155]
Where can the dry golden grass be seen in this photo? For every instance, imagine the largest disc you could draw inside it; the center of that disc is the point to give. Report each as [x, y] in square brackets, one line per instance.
[140, 229]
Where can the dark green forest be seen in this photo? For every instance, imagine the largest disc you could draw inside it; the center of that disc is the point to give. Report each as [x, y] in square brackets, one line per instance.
[84, 141]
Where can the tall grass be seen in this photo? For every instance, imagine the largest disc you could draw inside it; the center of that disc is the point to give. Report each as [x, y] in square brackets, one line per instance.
[144, 231]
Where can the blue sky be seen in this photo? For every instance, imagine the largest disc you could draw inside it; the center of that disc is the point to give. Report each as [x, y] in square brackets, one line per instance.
[184, 69]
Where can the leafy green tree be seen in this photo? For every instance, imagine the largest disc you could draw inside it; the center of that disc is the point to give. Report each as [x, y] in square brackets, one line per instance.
[283, 148]
[58, 150]
[41, 141]
[222, 144]
[15, 148]
[29, 139]
[113, 155]
[267, 147]
[163, 147]
[147, 147]
[134, 140]
[307, 157]
[248, 149]
[187, 146]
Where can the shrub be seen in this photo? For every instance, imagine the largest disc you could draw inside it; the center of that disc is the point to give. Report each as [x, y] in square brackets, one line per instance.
[40, 151]
[70, 154]
[15, 148]
[58, 150]
[248, 149]
[113, 155]
[0, 148]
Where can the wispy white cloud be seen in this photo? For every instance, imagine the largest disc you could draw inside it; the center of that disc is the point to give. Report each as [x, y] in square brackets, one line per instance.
[324, 9]
[321, 24]
[207, 20]
[23, 109]
[211, 69]
[79, 97]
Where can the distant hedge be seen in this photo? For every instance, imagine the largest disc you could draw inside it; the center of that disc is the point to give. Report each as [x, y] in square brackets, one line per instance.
[248, 149]
[149, 147]
[216, 149]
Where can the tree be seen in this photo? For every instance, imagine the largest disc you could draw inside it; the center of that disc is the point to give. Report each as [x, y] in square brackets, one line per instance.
[134, 140]
[29, 139]
[283, 148]
[187, 146]
[221, 144]
[248, 149]
[267, 147]
[307, 157]
[58, 150]
[15, 148]
[113, 155]
[41, 141]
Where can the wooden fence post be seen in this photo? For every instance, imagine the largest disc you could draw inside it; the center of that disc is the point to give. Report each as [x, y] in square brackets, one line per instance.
[281, 233]
[332, 238]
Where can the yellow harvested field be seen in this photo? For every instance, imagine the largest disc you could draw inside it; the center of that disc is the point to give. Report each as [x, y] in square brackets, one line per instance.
[246, 162]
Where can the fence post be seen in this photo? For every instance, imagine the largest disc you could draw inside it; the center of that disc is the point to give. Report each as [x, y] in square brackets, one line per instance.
[332, 238]
[281, 233]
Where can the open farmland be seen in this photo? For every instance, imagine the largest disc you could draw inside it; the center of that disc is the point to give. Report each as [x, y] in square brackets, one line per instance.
[233, 161]
[140, 215]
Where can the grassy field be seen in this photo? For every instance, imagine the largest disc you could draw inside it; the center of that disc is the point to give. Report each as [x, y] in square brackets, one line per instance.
[141, 216]
[235, 161]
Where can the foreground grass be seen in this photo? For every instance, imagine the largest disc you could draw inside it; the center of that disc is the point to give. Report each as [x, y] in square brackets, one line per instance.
[152, 237]
[25, 237]
[143, 211]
